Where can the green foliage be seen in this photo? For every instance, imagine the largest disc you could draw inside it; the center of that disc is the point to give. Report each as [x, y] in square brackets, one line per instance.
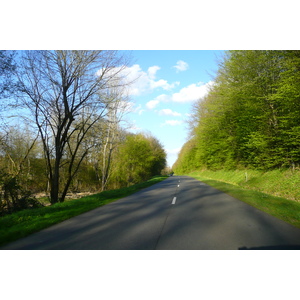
[250, 117]
[186, 160]
[139, 158]
[134, 158]
[13, 197]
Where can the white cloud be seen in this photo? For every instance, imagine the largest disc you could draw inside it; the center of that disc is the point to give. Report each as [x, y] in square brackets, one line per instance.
[152, 71]
[181, 66]
[140, 81]
[172, 122]
[192, 92]
[163, 84]
[168, 112]
[152, 104]
[163, 98]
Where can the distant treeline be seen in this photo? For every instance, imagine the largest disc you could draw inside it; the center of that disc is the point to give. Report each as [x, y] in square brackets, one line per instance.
[251, 116]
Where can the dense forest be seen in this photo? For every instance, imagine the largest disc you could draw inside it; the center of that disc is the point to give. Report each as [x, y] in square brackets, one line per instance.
[61, 127]
[251, 116]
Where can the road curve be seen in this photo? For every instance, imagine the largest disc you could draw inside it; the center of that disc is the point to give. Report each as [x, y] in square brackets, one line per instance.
[179, 213]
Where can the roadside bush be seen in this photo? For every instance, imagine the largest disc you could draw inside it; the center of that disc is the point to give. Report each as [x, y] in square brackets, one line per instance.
[13, 197]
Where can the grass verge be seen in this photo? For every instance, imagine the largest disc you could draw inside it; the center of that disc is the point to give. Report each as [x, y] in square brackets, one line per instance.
[282, 208]
[281, 182]
[23, 223]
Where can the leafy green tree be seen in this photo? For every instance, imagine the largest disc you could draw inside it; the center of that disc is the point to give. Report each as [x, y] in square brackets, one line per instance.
[187, 160]
[158, 154]
[139, 158]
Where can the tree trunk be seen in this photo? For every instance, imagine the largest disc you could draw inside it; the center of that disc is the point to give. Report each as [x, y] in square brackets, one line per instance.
[106, 171]
[64, 193]
[54, 183]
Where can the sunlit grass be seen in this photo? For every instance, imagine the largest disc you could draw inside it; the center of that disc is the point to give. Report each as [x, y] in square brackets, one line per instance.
[281, 182]
[282, 208]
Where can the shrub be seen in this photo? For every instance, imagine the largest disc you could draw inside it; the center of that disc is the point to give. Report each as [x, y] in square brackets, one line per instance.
[13, 197]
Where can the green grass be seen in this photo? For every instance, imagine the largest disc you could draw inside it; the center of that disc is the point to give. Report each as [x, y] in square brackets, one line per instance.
[23, 223]
[280, 207]
[280, 182]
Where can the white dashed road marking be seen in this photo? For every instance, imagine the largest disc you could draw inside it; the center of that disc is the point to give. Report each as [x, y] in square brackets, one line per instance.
[174, 200]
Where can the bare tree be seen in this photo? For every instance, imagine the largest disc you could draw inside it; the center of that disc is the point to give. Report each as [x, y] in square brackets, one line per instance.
[115, 115]
[65, 92]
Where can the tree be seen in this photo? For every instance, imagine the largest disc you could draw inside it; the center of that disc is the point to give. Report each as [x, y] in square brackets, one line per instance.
[139, 158]
[112, 135]
[65, 93]
[186, 158]
[16, 147]
[16, 144]
[158, 154]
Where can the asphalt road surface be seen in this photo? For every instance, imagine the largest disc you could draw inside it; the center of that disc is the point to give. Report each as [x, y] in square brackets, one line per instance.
[179, 213]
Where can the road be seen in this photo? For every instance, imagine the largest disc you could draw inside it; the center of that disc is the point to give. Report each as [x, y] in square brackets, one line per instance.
[179, 213]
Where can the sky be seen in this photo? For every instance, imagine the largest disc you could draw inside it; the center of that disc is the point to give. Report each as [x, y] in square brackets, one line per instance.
[169, 82]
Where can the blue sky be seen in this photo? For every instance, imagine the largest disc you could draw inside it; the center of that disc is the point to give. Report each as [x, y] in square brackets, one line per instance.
[169, 82]
[167, 85]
